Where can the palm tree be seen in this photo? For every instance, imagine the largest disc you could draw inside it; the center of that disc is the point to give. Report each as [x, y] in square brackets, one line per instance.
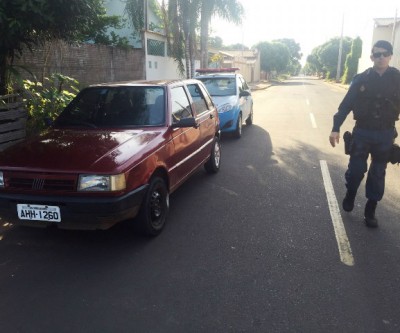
[181, 24]
[189, 12]
[230, 10]
[181, 20]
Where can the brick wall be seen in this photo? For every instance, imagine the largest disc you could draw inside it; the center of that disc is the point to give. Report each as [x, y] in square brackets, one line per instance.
[86, 63]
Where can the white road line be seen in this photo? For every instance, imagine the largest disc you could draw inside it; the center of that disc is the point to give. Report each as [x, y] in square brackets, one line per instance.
[313, 122]
[346, 255]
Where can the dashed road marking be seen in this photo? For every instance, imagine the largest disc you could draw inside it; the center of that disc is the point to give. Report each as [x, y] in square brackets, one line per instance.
[313, 122]
[345, 253]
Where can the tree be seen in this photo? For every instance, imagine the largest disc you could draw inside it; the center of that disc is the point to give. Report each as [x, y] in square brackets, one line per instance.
[237, 46]
[351, 65]
[136, 12]
[182, 21]
[215, 42]
[294, 65]
[230, 10]
[98, 33]
[273, 56]
[26, 24]
[327, 55]
[313, 66]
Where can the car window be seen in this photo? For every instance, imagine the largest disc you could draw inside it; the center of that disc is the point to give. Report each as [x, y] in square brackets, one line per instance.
[180, 104]
[244, 83]
[240, 84]
[116, 107]
[199, 101]
[217, 86]
[207, 97]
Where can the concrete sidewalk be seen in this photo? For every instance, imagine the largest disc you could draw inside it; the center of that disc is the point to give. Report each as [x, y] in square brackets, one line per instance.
[266, 84]
[260, 85]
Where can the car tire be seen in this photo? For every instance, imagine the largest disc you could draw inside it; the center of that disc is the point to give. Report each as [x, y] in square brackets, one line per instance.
[238, 131]
[213, 164]
[154, 209]
[249, 120]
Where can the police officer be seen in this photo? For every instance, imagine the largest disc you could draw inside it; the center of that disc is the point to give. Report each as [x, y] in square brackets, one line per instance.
[374, 98]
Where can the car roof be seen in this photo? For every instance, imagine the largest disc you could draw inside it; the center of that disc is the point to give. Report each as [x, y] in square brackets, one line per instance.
[217, 75]
[141, 83]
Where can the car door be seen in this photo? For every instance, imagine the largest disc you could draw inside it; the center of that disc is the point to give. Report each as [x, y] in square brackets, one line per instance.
[186, 140]
[245, 101]
[206, 116]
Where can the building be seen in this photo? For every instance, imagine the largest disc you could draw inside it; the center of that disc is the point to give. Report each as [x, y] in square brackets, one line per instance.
[248, 62]
[383, 28]
[158, 65]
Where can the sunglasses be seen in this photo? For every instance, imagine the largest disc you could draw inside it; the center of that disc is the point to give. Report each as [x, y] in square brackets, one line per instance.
[379, 54]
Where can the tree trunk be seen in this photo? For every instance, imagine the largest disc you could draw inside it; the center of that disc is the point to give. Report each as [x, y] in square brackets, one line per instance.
[192, 56]
[206, 11]
[187, 55]
[3, 75]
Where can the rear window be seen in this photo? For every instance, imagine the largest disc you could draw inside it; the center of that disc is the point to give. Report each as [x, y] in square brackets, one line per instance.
[218, 86]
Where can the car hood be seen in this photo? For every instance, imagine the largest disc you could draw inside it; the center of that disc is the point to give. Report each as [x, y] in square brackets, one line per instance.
[80, 151]
[222, 100]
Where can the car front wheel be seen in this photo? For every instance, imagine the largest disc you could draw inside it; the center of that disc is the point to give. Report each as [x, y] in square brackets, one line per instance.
[154, 210]
[213, 164]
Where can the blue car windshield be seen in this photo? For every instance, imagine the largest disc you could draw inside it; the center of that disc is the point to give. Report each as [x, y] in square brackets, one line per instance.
[220, 86]
[122, 106]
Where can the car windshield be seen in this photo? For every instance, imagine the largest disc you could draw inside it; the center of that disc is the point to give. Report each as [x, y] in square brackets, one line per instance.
[218, 86]
[123, 106]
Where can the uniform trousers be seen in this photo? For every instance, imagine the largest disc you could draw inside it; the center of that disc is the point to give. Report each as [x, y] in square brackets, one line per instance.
[374, 143]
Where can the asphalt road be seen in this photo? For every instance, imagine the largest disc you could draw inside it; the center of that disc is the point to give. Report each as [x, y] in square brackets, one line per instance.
[263, 246]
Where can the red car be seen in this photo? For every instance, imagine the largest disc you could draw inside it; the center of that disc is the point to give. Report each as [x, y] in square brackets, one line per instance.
[117, 151]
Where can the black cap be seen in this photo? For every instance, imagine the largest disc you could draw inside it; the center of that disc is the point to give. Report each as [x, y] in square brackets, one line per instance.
[384, 44]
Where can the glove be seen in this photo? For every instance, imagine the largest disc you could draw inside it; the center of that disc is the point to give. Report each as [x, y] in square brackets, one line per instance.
[395, 154]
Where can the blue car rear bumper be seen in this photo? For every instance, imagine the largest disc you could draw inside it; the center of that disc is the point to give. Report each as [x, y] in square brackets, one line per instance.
[228, 120]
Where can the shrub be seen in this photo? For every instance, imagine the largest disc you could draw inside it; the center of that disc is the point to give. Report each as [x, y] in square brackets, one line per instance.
[45, 102]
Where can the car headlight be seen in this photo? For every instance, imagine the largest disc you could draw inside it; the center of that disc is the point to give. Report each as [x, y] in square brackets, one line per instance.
[225, 108]
[1, 179]
[101, 183]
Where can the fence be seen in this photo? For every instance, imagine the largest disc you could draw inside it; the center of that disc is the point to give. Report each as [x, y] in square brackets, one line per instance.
[12, 120]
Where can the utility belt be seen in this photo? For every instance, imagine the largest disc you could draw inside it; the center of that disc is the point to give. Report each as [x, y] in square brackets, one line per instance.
[376, 125]
[348, 139]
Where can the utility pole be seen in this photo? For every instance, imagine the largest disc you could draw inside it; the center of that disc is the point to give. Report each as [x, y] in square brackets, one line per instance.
[394, 28]
[340, 53]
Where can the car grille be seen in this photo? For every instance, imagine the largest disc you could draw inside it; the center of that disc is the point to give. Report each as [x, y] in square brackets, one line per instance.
[41, 182]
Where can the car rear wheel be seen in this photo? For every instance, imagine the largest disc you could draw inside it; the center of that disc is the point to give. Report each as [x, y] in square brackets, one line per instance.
[238, 131]
[249, 120]
[154, 210]
[213, 164]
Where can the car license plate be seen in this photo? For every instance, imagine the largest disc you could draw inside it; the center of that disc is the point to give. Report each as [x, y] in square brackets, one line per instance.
[39, 213]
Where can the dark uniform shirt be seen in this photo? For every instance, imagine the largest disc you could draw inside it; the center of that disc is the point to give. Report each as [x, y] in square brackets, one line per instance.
[374, 100]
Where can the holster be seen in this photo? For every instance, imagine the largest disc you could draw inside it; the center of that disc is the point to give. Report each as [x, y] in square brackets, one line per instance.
[348, 142]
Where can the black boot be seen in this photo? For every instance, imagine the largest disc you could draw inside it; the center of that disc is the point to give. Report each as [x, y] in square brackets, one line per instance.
[348, 201]
[369, 214]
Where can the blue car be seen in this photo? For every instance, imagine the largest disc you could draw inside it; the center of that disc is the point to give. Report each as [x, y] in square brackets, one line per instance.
[232, 96]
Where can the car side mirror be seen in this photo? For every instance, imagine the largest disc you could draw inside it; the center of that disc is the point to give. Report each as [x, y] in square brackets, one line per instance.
[244, 93]
[185, 122]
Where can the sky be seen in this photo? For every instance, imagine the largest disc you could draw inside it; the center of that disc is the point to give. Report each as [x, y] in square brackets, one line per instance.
[309, 22]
